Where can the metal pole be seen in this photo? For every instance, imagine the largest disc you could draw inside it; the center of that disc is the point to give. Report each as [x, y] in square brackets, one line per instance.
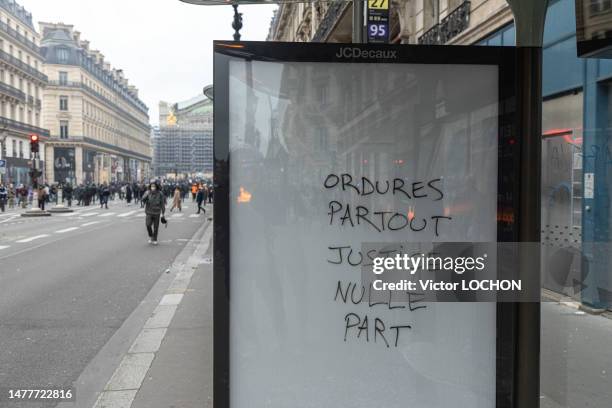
[237, 23]
[529, 18]
[358, 18]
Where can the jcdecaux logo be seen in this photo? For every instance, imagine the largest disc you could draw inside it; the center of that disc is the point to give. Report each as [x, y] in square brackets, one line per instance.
[355, 52]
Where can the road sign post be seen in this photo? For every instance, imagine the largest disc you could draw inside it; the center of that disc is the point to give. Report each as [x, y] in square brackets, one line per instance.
[378, 21]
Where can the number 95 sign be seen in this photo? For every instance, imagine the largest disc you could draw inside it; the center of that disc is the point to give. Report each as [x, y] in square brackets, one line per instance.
[378, 31]
[378, 21]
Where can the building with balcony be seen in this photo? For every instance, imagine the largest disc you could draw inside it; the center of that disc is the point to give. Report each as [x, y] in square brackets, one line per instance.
[21, 87]
[410, 21]
[99, 128]
[183, 143]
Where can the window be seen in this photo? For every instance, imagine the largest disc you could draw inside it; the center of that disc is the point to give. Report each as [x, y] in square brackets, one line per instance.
[63, 78]
[28, 60]
[20, 55]
[12, 80]
[63, 103]
[14, 150]
[431, 13]
[62, 55]
[21, 114]
[63, 129]
[20, 84]
[11, 49]
[21, 149]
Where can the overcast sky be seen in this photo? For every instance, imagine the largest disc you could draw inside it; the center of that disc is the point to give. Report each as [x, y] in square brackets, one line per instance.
[163, 46]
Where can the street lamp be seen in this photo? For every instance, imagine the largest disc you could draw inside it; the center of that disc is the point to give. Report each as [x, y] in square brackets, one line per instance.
[237, 23]
[208, 91]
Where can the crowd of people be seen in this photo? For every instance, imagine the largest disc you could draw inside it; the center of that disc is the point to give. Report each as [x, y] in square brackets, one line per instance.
[21, 196]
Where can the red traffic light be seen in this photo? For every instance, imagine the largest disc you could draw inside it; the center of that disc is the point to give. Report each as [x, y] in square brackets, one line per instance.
[33, 138]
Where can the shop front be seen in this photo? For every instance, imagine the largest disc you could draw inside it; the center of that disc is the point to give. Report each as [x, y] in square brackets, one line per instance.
[64, 165]
[18, 171]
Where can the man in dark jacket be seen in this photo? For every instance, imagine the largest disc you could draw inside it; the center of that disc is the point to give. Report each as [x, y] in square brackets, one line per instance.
[104, 193]
[201, 197]
[3, 196]
[155, 208]
[67, 194]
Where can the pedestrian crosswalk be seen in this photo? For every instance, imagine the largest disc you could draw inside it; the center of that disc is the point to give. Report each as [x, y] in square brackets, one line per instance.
[96, 216]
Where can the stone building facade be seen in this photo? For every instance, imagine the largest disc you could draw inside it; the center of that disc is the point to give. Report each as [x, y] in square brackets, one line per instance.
[22, 82]
[411, 21]
[99, 128]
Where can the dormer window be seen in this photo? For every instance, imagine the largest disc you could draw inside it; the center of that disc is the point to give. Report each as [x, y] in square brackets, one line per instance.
[62, 55]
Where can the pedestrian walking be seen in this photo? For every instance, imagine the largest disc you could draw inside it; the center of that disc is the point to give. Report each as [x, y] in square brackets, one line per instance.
[3, 197]
[67, 194]
[41, 197]
[176, 200]
[11, 196]
[194, 192]
[104, 193]
[155, 208]
[23, 196]
[201, 197]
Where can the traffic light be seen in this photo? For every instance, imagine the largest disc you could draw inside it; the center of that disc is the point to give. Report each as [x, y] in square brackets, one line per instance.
[34, 143]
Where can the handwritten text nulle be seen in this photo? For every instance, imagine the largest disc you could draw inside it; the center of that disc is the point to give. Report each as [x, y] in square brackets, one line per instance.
[352, 215]
[378, 323]
[374, 329]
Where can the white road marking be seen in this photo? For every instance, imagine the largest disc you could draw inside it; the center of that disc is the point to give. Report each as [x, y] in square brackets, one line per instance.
[177, 215]
[89, 214]
[66, 230]
[87, 224]
[9, 219]
[72, 214]
[4, 247]
[127, 214]
[140, 215]
[26, 240]
[194, 216]
[108, 214]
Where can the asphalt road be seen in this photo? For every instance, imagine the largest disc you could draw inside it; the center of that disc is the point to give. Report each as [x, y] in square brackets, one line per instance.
[69, 281]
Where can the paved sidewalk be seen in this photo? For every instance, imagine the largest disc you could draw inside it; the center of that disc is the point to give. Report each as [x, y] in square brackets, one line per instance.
[169, 363]
[181, 373]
